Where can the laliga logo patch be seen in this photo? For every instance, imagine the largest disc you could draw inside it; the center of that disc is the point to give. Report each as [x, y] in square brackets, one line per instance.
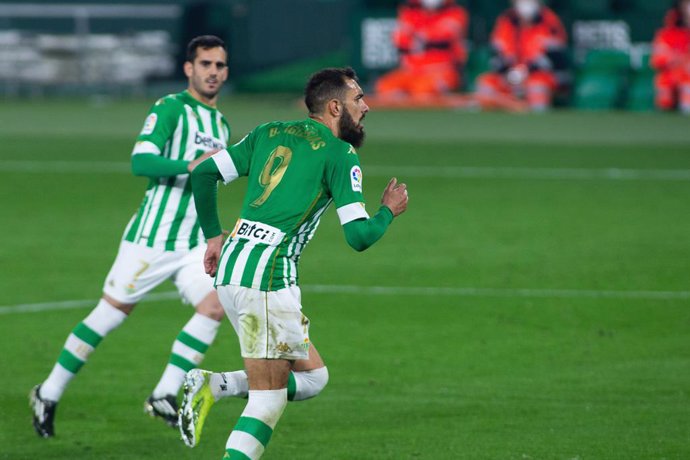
[356, 178]
[149, 124]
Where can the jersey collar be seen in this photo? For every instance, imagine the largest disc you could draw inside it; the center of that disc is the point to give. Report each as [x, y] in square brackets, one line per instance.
[189, 99]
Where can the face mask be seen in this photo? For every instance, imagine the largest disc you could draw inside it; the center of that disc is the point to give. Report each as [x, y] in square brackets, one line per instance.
[527, 9]
[431, 4]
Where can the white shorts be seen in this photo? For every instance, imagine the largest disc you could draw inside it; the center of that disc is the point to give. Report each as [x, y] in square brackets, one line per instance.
[139, 269]
[269, 325]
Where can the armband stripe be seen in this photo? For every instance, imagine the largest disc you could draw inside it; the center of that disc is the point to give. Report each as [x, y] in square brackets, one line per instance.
[350, 212]
[146, 147]
[225, 166]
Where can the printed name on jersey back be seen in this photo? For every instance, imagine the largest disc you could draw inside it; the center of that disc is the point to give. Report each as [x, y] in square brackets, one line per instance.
[207, 141]
[149, 124]
[257, 232]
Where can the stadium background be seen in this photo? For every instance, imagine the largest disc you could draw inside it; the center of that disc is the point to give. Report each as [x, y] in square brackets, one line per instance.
[532, 303]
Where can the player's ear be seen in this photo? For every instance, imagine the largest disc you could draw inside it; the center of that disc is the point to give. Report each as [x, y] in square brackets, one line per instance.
[188, 68]
[334, 107]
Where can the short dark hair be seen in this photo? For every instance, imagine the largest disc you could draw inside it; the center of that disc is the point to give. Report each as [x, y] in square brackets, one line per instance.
[325, 85]
[204, 42]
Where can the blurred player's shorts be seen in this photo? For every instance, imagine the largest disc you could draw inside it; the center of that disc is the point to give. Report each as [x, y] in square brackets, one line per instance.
[138, 269]
[269, 324]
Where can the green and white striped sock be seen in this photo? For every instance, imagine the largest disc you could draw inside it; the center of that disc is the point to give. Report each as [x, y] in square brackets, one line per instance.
[250, 436]
[79, 345]
[188, 351]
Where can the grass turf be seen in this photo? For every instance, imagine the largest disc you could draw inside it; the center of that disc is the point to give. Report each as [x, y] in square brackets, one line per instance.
[498, 373]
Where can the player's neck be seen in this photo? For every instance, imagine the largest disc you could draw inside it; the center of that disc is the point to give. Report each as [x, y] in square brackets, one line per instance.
[211, 102]
[331, 123]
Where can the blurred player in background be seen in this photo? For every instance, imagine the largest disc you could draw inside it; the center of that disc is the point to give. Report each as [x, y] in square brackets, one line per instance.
[528, 41]
[162, 241]
[430, 38]
[295, 169]
[671, 59]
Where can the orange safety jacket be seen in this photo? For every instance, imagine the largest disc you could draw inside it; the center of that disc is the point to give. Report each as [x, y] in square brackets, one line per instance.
[431, 37]
[670, 42]
[518, 44]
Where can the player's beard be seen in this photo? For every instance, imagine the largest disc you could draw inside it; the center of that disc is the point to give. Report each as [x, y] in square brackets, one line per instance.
[349, 130]
[199, 84]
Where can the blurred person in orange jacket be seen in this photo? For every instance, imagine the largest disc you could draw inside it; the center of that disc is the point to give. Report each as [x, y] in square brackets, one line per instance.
[430, 38]
[528, 41]
[671, 59]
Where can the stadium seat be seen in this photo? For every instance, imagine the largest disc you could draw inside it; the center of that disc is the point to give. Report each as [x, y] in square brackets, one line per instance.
[641, 92]
[601, 79]
[607, 60]
[598, 90]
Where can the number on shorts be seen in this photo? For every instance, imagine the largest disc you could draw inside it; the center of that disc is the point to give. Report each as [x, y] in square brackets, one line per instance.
[144, 266]
[273, 172]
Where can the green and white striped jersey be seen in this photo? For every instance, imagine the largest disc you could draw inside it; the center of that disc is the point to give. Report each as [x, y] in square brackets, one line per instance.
[178, 127]
[295, 170]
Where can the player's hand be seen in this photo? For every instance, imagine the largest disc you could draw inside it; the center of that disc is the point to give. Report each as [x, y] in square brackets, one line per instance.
[212, 255]
[395, 197]
[194, 163]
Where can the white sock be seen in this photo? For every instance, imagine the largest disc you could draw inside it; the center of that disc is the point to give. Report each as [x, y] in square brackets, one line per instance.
[229, 384]
[188, 351]
[255, 427]
[307, 384]
[301, 385]
[81, 342]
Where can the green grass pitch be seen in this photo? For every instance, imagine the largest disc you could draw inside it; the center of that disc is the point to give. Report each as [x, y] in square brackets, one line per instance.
[533, 303]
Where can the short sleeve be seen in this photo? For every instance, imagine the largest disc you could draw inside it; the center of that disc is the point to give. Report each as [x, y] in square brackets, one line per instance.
[344, 178]
[241, 153]
[159, 126]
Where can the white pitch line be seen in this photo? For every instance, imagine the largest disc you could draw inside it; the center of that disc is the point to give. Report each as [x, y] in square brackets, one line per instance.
[396, 290]
[58, 166]
[508, 172]
[74, 304]
[496, 292]
[503, 172]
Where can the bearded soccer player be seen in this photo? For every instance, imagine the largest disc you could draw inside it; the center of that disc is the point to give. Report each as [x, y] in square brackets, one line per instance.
[162, 241]
[296, 170]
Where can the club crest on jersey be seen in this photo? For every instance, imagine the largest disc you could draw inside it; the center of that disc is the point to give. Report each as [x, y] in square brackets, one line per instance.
[149, 124]
[356, 178]
[207, 141]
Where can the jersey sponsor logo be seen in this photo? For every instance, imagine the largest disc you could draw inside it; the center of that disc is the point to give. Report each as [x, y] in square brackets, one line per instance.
[257, 232]
[149, 124]
[356, 178]
[207, 141]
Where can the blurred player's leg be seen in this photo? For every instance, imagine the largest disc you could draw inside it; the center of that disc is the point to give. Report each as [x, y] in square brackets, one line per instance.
[394, 84]
[540, 87]
[664, 86]
[203, 388]
[191, 344]
[684, 98]
[81, 342]
[265, 405]
[188, 352]
[433, 82]
[273, 333]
